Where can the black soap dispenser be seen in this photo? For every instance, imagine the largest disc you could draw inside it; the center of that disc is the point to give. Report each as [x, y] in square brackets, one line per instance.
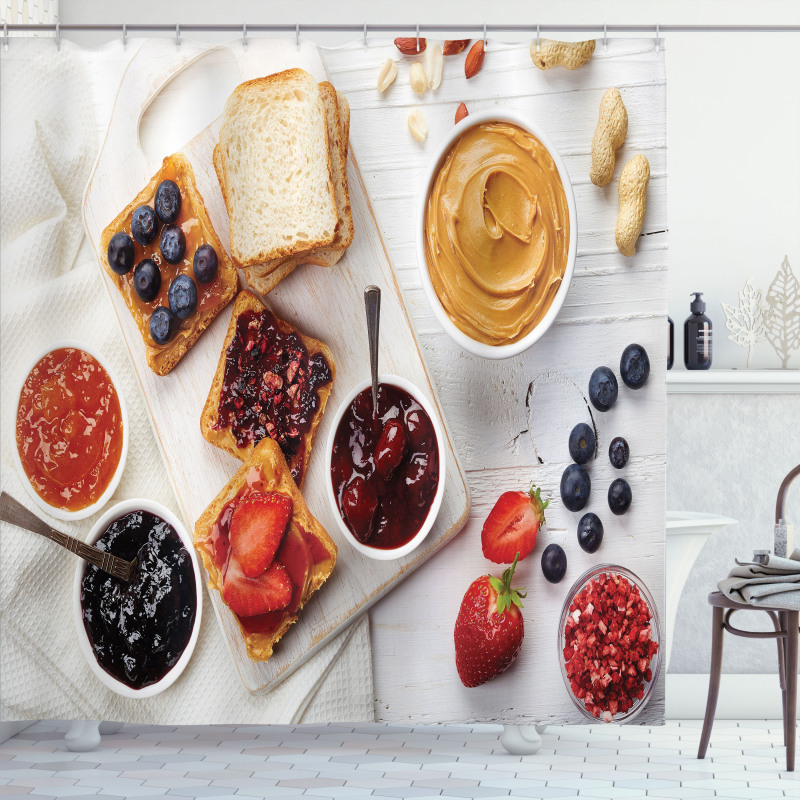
[697, 336]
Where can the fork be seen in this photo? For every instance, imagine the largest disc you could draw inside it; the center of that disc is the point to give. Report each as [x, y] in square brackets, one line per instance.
[15, 513]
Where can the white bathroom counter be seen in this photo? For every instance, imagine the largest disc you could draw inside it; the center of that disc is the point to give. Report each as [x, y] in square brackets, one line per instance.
[733, 381]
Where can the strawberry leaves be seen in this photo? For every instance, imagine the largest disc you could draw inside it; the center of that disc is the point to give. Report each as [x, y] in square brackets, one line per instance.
[536, 497]
[506, 596]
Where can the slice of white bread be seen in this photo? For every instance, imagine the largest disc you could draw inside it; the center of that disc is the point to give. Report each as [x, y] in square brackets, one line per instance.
[337, 106]
[265, 277]
[273, 162]
[264, 284]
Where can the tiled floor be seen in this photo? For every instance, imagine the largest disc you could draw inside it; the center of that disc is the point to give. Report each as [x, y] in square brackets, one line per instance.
[336, 761]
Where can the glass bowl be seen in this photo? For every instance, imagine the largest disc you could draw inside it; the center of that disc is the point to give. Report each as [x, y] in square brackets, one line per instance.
[655, 635]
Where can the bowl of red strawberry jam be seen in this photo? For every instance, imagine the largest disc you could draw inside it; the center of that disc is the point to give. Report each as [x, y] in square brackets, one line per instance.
[609, 642]
[387, 469]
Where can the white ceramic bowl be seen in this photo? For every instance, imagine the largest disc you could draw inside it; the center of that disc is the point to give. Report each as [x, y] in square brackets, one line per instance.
[83, 513]
[397, 552]
[442, 148]
[98, 529]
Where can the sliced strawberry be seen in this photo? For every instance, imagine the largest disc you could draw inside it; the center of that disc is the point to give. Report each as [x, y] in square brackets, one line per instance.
[247, 597]
[295, 555]
[512, 525]
[257, 527]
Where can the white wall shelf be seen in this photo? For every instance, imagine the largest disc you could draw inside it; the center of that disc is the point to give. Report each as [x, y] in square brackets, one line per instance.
[734, 381]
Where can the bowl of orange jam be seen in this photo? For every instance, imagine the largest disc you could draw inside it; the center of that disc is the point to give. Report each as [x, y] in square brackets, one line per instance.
[71, 431]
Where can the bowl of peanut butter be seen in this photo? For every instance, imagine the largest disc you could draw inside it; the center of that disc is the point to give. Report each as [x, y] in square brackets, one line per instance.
[496, 233]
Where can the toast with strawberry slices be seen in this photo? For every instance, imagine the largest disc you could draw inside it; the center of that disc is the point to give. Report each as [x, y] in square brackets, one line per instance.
[263, 550]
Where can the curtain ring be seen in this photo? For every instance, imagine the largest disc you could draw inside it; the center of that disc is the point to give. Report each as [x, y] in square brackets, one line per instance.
[58, 35]
[418, 37]
[244, 34]
[658, 40]
[124, 36]
[297, 35]
[605, 36]
[537, 37]
[484, 35]
[365, 34]
[177, 34]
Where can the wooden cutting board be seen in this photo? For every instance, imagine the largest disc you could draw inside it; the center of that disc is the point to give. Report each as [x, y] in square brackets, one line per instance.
[325, 303]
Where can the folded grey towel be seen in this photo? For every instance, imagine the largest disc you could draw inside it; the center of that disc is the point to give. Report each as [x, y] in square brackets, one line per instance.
[774, 584]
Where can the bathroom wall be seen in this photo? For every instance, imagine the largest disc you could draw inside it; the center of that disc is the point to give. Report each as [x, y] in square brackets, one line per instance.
[727, 454]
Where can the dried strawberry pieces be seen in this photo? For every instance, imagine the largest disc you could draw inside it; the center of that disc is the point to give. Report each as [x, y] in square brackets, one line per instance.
[608, 646]
[269, 387]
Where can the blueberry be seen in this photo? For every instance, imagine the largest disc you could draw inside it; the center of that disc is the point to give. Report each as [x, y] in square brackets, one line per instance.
[575, 487]
[205, 263]
[173, 244]
[618, 452]
[147, 280]
[581, 443]
[554, 563]
[168, 201]
[590, 532]
[634, 366]
[619, 496]
[603, 388]
[120, 253]
[162, 325]
[144, 225]
[182, 297]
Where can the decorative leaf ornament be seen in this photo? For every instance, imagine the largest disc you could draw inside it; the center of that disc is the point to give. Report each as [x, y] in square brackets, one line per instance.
[747, 322]
[783, 324]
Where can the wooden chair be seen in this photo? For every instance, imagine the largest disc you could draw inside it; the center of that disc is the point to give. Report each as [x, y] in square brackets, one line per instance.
[785, 624]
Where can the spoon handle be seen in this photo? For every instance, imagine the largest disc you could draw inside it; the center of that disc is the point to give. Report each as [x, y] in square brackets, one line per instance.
[372, 302]
[15, 513]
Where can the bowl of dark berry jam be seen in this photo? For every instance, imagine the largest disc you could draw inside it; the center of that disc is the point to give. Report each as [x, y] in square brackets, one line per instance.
[138, 637]
[386, 471]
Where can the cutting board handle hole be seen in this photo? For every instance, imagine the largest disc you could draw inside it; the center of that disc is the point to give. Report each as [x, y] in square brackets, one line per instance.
[188, 102]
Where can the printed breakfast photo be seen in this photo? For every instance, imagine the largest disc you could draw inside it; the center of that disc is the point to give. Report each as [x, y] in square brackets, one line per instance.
[396, 389]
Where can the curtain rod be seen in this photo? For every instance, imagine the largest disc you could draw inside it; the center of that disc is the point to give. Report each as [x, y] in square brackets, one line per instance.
[394, 28]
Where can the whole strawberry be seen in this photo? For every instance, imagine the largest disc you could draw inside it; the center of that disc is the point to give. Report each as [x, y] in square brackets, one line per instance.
[512, 525]
[489, 628]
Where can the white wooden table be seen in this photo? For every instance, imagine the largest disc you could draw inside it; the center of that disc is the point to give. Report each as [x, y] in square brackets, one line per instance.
[510, 420]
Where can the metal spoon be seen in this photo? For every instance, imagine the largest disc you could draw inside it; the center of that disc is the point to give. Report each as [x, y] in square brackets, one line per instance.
[372, 302]
[15, 513]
